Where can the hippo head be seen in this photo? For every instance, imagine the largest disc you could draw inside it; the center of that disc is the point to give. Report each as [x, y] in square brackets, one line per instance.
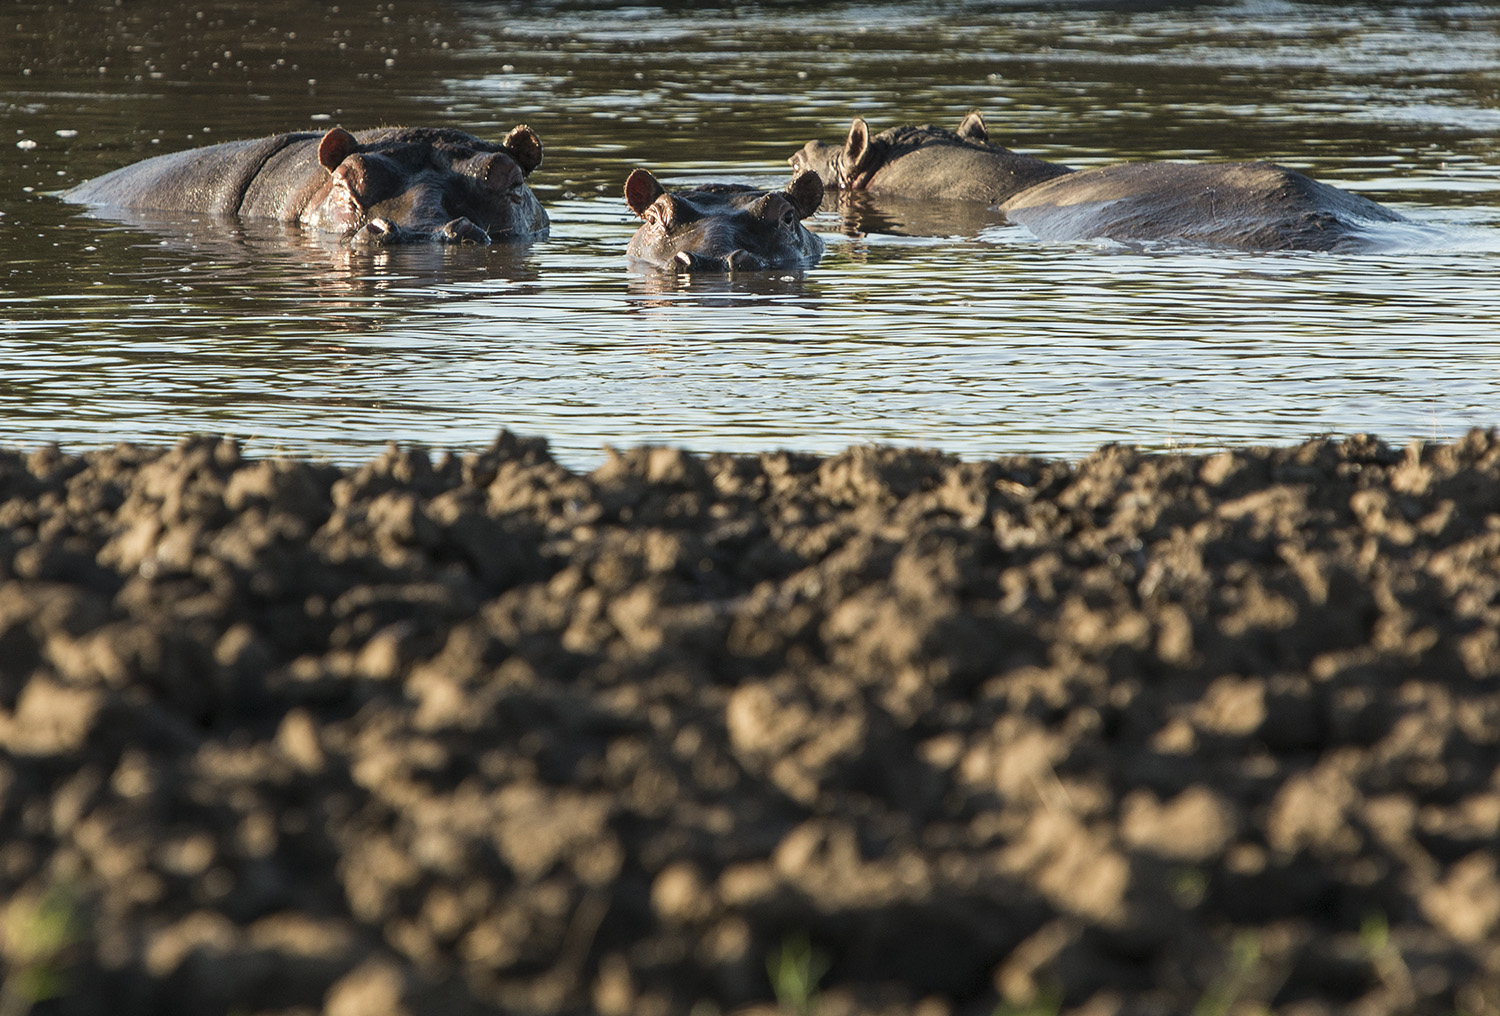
[410, 185]
[853, 165]
[718, 227]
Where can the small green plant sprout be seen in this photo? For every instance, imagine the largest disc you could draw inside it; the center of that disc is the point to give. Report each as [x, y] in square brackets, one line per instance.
[1384, 956]
[795, 970]
[1375, 933]
[1046, 1002]
[1189, 886]
[1225, 992]
[37, 933]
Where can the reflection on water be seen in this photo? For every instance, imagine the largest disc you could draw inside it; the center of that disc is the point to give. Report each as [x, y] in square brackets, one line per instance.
[861, 213]
[921, 324]
[252, 248]
[663, 286]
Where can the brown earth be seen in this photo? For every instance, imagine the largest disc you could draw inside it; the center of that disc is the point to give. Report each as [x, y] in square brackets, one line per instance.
[885, 732]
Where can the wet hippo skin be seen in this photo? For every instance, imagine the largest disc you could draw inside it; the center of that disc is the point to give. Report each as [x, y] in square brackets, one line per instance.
[925, 162]
[721, 227]
[1246, 205]
[1252, 205]
[392, 185]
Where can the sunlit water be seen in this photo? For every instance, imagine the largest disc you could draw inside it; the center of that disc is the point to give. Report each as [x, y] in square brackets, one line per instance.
[979, 340]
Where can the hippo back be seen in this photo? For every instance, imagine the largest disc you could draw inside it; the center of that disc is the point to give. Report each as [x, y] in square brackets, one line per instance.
[1246, 205]
[213, 179]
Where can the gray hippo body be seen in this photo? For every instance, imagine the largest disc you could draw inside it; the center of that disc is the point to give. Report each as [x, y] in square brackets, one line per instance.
[723, 227]
[925, 162]
[1246, 205]
[393, 185]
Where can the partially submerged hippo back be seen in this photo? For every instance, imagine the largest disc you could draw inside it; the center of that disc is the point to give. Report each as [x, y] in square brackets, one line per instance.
[721, 227]
[1246, 205]
[393, 185]
[925, 162]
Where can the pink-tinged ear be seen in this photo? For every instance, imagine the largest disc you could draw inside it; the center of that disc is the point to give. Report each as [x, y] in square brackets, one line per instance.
[336, 146]
[641, 191]
[856, 147]
[805, 192]
[525, 147]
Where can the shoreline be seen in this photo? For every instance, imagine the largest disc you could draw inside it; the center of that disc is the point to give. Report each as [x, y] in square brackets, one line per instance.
[1134, 733]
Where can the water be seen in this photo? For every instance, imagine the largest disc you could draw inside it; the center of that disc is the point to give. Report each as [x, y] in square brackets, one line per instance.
[982, 341]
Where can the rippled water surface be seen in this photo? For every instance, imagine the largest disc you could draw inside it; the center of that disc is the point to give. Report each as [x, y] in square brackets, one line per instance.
[978, 339]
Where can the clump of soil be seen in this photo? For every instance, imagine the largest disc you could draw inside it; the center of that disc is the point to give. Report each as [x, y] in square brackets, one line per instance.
[885, 732]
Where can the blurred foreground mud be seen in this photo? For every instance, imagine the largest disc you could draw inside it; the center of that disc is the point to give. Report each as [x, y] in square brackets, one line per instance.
[884, 732]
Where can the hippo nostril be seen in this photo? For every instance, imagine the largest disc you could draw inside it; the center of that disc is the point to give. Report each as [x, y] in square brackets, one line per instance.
[376, 231]
[685, 260]
[743, 261]
[461, 230]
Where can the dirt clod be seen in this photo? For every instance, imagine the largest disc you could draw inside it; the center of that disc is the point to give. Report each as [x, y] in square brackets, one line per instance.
[1141, 734]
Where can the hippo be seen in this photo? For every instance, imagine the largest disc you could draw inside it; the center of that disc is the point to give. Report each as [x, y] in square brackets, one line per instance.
[926, 162]
[1244, 205]
[719, 227]
[388, 186]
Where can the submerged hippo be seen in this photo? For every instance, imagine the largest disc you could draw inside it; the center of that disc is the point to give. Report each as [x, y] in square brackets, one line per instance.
[1249, 205]
[925, 162]
[394, 185]
[717, 227]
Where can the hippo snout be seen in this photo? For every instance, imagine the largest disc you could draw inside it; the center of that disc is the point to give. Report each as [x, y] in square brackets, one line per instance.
[744, 261]
[461, 230]
[734, 261]
[817, 157]
[382, 232]
[379, 233]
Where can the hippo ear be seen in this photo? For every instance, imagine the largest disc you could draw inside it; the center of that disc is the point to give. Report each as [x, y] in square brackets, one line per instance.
[525, 147]
[805, 192]
[336, 146]
[972, 128]
[857, 148]
[641, 191]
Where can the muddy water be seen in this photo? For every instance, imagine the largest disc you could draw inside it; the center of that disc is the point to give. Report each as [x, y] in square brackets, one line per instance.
[978, 338]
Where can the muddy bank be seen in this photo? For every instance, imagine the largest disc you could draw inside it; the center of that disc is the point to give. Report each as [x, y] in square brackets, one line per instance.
[463, 735]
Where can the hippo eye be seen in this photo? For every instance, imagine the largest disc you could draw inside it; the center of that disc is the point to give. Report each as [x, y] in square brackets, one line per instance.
[789, 218]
